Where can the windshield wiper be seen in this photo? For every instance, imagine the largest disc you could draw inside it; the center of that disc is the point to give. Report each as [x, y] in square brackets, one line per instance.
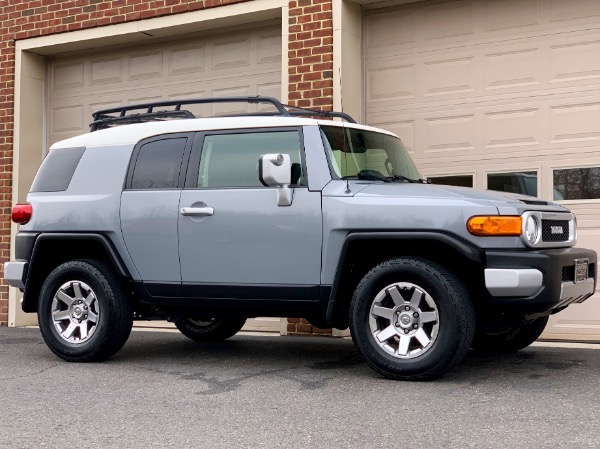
[368, 175]
[406, 178]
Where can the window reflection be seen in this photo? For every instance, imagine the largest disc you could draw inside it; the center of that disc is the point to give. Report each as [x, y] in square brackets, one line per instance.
[524, 183]
[458, 180]
[577, 183]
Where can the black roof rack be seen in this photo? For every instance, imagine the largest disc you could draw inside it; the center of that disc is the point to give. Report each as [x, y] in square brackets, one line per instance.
[121, 115]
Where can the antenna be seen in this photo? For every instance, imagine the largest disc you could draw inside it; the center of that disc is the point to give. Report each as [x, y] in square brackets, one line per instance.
[345, 141]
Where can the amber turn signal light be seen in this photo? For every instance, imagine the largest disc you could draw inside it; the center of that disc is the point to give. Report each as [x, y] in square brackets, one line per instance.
[495, 225]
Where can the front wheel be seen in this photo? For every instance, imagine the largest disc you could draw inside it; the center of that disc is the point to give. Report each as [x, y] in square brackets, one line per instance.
[83, 313]
[513, 340]
[411, 319]
[209, 329]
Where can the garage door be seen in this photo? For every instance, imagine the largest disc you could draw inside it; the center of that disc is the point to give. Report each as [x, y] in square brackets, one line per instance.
[240, 62]
[499, 93]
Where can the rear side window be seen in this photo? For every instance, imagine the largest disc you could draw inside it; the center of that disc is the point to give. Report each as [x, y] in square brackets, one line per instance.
[158, 163]
[57, 170]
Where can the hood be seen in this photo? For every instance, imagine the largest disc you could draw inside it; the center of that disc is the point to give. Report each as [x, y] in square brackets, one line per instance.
[505, 202]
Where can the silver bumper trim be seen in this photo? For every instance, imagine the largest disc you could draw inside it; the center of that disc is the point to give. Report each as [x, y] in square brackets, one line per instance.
[571, 292]
[513, 282]
[13, 273]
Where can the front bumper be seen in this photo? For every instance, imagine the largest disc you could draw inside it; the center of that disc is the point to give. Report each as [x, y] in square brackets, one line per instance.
[538, 281]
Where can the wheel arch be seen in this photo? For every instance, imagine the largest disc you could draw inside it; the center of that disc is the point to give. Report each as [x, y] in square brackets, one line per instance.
[361, 251]
[52, 249]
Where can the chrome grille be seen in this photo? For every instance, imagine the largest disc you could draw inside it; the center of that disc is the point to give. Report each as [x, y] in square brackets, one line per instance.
[556, 229]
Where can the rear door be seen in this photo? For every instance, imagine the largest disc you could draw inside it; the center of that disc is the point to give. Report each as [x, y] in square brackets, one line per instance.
[149, 210]
[246, 246]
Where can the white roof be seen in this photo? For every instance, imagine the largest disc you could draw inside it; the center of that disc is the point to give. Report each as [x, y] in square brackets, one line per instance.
[131, 134]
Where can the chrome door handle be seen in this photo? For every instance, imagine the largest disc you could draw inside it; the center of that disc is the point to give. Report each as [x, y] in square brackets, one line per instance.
[206, 211]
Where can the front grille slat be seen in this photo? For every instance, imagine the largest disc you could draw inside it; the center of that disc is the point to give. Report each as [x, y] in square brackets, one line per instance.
[568, 273]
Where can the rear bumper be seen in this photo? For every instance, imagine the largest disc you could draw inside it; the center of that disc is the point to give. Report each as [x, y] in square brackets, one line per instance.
[15, 274]
[538, 281]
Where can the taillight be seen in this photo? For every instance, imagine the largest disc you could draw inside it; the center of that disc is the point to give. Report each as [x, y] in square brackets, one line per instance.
[21, 213]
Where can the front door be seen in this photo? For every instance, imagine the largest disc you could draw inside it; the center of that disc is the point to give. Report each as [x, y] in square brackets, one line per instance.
[234, 240]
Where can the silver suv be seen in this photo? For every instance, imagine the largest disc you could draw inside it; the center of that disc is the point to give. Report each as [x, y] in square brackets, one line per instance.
[157, 214]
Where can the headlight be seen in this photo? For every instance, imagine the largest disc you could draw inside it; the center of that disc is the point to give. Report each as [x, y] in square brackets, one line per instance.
[531, 230]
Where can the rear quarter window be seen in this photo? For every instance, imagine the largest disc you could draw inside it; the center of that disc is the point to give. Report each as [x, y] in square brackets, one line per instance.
[158, 163]
[57, 170]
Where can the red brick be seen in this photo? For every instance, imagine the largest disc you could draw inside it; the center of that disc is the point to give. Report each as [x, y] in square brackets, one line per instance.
[310, 26]
[301, 327]
[312, 59]
[322, 49]
[323, 66]
[311, 94]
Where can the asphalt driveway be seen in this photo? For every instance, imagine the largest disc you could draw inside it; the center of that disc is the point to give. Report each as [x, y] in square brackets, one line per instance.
[163, 390]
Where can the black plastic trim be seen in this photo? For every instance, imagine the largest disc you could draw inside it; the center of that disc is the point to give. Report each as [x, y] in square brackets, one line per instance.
[264, 296]
[30, 297]
[252, 291]
[102, 239]
[24, 243]
[550, 262]
[467, 249]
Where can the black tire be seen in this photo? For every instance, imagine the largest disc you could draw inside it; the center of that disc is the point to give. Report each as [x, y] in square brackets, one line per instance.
[513, 340]
[113, 310]
[454, 312]
[209, 329]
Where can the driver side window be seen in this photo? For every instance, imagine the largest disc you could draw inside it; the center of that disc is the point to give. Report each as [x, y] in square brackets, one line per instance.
[231, 160]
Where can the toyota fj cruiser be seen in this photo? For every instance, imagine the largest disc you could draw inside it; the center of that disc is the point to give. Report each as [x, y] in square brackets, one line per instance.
[209, 221]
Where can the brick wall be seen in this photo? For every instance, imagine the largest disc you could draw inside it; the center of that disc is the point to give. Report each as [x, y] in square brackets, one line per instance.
[310, 62]
[299, 326]
[310, 54]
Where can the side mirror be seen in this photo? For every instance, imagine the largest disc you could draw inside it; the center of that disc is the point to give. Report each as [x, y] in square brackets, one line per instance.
[275, 170]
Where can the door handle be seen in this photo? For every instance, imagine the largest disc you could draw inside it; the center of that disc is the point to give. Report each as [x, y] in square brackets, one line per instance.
[206, 211]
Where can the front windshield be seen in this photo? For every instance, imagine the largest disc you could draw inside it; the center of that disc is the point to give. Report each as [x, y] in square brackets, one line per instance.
[352, 151]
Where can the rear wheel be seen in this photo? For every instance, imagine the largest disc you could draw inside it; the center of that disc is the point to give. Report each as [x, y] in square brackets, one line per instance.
[513, 340]
[83, 313]
[411, 319]
[209, 329]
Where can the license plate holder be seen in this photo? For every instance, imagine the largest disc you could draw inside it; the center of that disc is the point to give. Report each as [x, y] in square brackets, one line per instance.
[581, 270]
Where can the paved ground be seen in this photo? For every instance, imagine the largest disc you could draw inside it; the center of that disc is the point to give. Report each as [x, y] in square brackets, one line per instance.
[162, 390]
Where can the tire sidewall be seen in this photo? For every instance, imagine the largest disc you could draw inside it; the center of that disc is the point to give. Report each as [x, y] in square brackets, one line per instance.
[446, 342]
[200, 330]
[220, 329]
[74, 271]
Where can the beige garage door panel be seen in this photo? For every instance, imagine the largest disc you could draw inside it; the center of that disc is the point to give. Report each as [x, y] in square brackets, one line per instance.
[480, 86]
[242, 62]
[246, 62]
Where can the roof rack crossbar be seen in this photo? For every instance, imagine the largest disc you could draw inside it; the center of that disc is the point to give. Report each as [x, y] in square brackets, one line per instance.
[104, 118]
[105, 121]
